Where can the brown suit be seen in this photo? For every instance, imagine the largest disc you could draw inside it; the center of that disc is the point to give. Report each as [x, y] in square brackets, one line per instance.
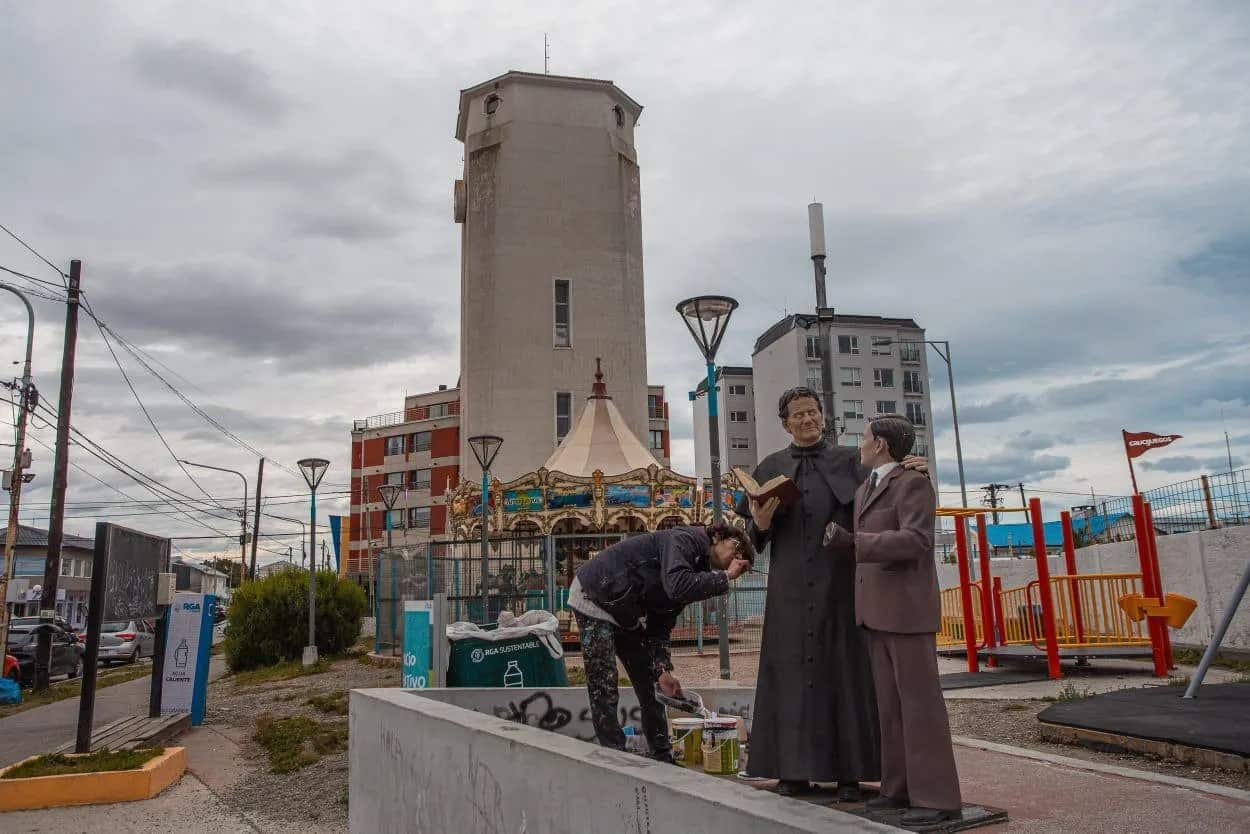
[896, 601]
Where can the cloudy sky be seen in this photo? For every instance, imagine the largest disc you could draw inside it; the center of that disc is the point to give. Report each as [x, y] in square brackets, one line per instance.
[261, 195]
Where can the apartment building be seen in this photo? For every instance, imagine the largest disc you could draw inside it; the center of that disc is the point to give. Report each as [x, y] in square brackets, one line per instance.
[880, 366]
[417, 449]
[735, 400]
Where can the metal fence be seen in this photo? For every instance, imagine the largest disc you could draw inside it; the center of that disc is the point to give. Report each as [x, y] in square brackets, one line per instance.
[526, 574]
[1204, 503]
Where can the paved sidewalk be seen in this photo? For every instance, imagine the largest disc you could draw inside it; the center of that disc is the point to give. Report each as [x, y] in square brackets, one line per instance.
[43, 728]
[1045, 793]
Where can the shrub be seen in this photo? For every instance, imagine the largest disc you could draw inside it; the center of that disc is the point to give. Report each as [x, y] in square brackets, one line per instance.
[268, 619]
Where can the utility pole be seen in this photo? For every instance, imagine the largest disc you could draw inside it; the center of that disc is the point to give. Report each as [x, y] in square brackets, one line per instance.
[991, 499]
[1024, 502]
[27, 399]
[260, 477]
[60, 477]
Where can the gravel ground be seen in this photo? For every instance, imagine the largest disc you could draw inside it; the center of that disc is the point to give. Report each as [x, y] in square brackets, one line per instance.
[314, 798]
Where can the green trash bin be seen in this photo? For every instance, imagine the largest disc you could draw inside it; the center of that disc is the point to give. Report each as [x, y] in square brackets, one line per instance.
[523, 661]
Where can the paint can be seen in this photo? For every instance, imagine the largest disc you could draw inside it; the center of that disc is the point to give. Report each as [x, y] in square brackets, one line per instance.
[688, 741]
[720, 745]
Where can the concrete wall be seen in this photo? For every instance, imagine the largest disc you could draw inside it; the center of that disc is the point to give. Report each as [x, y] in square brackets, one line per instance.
[418, 765]
[1204, 565]
[566, 710]
[552, 187]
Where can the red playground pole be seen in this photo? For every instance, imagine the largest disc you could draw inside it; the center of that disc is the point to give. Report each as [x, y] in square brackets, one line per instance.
[965, 592]
[987, 591]
[1142, 529]
[1164, 635]
[1044, 590]
[1074, 587]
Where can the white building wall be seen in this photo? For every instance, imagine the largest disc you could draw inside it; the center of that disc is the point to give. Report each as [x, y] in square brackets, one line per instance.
[552, 192]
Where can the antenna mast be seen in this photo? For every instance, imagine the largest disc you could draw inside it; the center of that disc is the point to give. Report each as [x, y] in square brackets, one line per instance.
[546, 55]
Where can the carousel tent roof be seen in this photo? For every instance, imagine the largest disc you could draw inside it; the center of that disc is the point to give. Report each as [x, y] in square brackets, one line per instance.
[600, 440]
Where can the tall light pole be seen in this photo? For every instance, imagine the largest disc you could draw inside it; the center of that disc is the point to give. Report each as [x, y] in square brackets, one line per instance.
[485, 447]
[242, 515]
[824, 314]
[27, 400]
[943, 349]
[389, 493]
[314, 469]
[700, 314]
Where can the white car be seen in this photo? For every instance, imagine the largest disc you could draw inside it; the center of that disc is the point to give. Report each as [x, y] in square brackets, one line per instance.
[126, 642]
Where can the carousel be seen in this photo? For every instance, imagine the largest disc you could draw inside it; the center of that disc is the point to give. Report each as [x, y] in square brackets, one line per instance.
[600, 480]
[600, 485]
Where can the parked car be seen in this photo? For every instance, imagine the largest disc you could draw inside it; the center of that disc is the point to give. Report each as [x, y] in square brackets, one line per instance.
[126, 641]
[66, 651]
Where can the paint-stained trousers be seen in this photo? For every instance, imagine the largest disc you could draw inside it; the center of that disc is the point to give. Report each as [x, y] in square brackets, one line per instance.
[602, 644]
[917, 760]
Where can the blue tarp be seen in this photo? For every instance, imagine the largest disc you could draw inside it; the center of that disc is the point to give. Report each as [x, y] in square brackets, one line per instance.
[1021, 535]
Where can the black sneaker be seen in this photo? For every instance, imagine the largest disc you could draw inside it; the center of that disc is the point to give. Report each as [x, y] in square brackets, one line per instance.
[882, 803]
[665, 757]
[849, 792]
[925, 817]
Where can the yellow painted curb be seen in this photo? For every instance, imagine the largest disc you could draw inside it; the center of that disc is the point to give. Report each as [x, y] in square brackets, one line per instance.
[93, 788]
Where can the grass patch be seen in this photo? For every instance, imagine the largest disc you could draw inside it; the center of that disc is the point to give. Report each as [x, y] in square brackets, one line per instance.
[71, 689]
[297, 742]
[1192, 657]
[102, 761]
[331, 703]
[288, 670]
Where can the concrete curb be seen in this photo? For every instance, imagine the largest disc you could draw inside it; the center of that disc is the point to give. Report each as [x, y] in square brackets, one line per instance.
[1096, 767]
[98, 788]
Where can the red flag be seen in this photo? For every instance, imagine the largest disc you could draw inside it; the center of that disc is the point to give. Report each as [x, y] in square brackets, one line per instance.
[1138, 443]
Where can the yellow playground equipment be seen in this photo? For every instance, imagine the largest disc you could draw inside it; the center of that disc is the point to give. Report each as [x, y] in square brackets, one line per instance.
[1071, 615]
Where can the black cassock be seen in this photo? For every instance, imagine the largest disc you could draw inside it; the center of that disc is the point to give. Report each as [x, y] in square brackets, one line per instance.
[815, 708]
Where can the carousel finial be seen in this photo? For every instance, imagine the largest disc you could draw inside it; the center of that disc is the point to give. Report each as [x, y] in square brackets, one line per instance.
[600, 390]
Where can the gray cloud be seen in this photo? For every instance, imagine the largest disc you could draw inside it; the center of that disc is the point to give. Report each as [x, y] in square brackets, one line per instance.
[244, 310]
[1189, 463]
[341, 223]
[1009, 466]
[229, 79]
[1058, 195]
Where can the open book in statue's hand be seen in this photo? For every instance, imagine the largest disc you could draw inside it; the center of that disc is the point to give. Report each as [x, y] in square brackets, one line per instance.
[782, 488]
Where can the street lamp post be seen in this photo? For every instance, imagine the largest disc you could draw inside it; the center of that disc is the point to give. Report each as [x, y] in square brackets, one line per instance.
[485, 447]
[243, 515]
[943, 349]
[389, 493]
[699, 314]
[314, 469]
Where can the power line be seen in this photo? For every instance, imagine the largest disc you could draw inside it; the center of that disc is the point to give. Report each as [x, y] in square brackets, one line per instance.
[32, 251]
[146, 414]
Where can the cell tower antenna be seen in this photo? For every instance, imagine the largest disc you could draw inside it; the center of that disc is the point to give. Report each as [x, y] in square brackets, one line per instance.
[546, 55]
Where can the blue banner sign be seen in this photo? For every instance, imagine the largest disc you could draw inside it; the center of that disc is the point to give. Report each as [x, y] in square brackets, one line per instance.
[563, 498]
[523, 501]
[627, 495]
